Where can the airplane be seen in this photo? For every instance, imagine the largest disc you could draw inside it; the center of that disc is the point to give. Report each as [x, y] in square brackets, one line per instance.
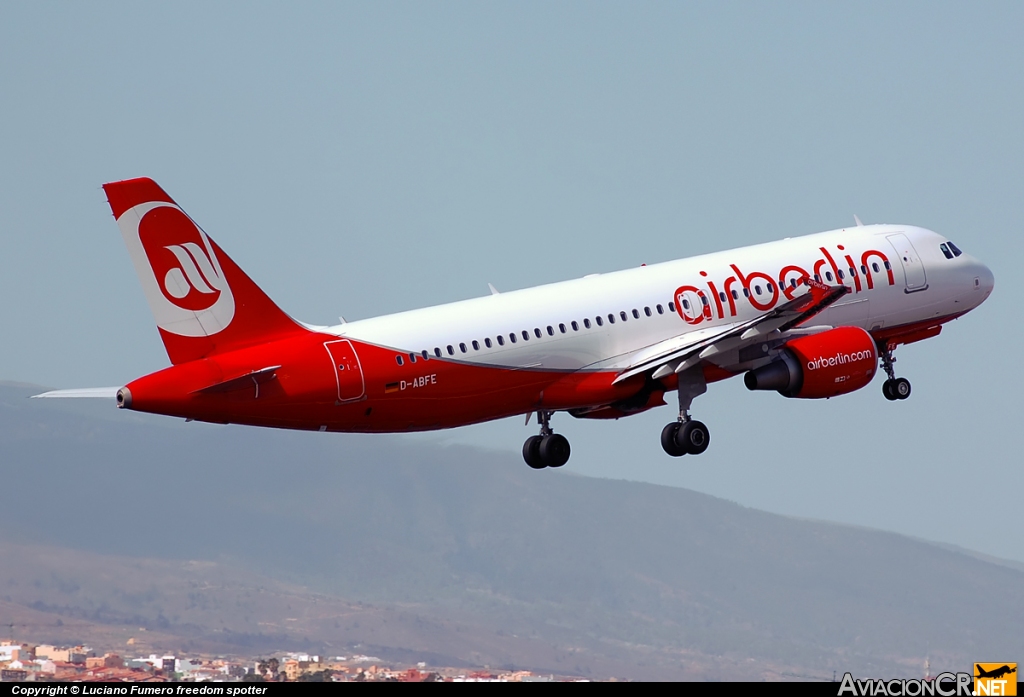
[810, 317]
[995, 673]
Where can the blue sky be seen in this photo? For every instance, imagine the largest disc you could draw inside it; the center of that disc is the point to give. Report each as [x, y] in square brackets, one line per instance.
[360, 159]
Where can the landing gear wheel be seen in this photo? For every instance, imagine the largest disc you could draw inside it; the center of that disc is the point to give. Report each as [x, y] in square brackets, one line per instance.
[896, 388]
[693, 437]
[668, 440]
[554, 450]
[531, 453]
[900, 388]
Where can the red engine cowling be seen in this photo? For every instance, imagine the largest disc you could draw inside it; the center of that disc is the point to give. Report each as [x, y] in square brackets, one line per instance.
[821, 365]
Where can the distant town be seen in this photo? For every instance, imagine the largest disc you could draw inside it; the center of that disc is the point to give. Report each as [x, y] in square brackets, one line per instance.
[23, 662]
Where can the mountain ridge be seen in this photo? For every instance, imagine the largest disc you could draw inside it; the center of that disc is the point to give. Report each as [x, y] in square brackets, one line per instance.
[633, 574]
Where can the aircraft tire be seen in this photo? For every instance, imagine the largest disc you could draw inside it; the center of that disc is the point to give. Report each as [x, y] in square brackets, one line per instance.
[668, 440]
[900, 388]
[693, 437]
[531, 453]
[887, 390]
[554, 450]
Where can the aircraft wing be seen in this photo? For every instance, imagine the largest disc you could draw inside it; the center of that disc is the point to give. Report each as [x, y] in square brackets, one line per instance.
[686, 350]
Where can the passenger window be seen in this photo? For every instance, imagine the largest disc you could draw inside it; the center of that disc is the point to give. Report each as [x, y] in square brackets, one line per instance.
[757, 289]
[476, 345]
[660, 311]
[437, 352]
[956, 250]
[945, 251]
[735, 295]
[721, 296]
[647, 311]
[526, 335]
[551, 331]
[704, 300]
[600, 323]
[828, 275]
[888, 266]
[636, 315]
[611, 319]
[426, 355]
[512, 338]
[792, 283]
[817, 278]
[586, 323]
[746, 292]
[398, 360]
[487, 342]
[875, 267]
[575, 327]
[863, 270]
[840, 274]
[686, 304]
[501, 340]
[771, 288]
[462, 347]
[536, 332]
[853, 272]
[561, 328]
[412, 357]
[671, 306]
[622, 315]
[451, 351]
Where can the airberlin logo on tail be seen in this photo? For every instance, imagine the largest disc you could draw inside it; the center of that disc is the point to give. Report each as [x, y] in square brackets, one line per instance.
[194, 272]
[180, 273]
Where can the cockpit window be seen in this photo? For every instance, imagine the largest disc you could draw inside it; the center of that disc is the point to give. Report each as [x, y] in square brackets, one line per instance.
[955, 249]
[945, 251]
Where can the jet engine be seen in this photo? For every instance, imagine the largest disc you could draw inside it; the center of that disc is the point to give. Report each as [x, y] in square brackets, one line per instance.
[832, 363]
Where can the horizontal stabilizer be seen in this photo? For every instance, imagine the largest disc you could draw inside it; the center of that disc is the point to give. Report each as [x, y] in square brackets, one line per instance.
[250, 380]
[81, 393]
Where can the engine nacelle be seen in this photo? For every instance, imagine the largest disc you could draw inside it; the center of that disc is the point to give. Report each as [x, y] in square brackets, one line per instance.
[832, 363]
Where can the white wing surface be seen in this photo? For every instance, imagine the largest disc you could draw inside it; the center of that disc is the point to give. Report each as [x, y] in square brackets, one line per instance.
[686, 350]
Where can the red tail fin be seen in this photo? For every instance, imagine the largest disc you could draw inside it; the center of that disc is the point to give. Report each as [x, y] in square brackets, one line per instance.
[202, 302]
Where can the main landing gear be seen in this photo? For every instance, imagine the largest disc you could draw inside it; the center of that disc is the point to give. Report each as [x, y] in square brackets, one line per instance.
[686, 436]
[548, 449]
[893, 388]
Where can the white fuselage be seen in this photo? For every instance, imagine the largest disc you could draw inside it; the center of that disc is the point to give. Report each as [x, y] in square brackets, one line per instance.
[924, 285]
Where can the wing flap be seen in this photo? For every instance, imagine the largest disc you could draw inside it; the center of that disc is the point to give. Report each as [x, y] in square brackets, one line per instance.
[686, 350]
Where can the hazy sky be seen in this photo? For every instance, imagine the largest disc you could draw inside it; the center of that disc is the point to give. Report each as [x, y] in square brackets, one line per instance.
[360, 159]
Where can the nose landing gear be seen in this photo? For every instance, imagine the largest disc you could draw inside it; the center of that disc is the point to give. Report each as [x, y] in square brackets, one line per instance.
[893, 388]
[548, 449]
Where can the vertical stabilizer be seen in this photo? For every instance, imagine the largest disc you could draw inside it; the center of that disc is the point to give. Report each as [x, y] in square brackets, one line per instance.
[202, 301]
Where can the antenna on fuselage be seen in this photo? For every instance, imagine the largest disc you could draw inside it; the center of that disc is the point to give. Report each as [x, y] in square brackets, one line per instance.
[859, 224]
[494, 291]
